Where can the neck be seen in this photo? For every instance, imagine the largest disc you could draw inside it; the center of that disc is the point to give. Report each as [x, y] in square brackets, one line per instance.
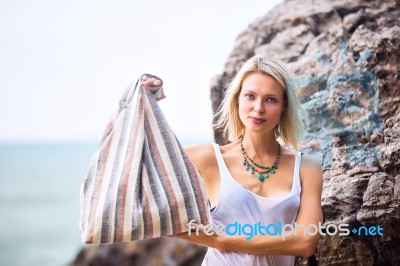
[260, 145]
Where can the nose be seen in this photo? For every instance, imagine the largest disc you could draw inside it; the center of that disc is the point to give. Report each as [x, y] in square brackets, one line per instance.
[259, 107]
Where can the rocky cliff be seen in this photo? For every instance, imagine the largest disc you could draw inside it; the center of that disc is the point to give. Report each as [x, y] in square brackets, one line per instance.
[345, 58]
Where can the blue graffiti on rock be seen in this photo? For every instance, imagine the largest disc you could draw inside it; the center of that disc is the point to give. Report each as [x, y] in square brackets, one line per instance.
[342, 108]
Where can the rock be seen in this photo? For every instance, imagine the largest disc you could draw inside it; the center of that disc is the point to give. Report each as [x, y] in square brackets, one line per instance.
[345, 58]
[151, 252]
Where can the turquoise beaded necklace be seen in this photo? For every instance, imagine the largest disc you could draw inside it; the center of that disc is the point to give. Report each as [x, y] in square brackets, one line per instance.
[249, 164]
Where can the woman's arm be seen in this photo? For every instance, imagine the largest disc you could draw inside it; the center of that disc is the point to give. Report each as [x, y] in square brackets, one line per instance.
[296, 244]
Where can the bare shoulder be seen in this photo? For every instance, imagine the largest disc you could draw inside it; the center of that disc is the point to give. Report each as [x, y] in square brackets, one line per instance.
[310, 169]
[229, 149]
[308, 161]
[201, 155]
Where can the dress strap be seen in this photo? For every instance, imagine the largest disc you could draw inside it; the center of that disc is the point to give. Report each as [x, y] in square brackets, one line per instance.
[296, 178]
[222, 167]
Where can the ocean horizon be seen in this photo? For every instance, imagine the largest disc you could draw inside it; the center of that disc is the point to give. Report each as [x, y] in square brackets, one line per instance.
[39, 201]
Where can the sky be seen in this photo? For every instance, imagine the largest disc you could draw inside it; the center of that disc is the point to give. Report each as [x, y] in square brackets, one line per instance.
[64, 64]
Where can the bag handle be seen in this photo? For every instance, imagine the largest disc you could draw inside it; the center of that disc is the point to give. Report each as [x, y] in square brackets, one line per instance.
[128, 95]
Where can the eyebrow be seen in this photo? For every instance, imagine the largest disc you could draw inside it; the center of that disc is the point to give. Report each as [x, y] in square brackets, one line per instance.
[264, 95]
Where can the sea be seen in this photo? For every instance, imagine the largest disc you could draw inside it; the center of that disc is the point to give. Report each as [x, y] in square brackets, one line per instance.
[39, 202]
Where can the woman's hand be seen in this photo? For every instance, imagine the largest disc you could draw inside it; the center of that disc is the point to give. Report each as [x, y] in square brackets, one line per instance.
[202, 236]
[154, 84]
[148, 81]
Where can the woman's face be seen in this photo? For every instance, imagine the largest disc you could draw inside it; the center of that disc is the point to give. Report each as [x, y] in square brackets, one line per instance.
[261, 103]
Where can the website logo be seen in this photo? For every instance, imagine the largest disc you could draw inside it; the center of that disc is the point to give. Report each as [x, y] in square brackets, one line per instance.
[283, 230]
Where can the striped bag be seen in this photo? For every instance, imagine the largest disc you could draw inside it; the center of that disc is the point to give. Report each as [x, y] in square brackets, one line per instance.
[140, 183]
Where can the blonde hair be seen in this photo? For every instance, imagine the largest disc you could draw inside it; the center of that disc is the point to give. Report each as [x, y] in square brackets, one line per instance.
[290, 127]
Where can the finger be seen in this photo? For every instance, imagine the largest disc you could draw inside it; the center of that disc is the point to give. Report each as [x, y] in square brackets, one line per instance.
[147, 83]
[154, 81]
[193, 225]
[151, 82]
[157, 82]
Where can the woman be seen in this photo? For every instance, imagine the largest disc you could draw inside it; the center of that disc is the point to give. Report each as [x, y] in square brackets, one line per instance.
[253, 181]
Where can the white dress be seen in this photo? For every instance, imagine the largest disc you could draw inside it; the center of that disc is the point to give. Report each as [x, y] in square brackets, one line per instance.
[238, 204]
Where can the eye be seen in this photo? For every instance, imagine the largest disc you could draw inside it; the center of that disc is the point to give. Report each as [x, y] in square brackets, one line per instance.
[249, 96]
[271, 100]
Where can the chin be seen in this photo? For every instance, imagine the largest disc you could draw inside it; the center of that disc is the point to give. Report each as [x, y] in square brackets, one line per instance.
[258, 128]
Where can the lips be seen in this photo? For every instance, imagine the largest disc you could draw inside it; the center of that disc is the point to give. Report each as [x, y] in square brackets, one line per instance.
[257, 120]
